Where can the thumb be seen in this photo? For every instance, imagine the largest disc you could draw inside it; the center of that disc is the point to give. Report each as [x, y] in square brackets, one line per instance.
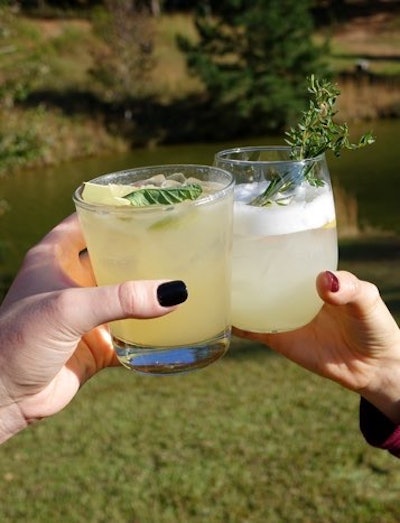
[39, 334]
[344, 288]
[82, 309]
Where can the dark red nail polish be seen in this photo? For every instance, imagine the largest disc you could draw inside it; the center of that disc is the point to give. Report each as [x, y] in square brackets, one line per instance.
[332, 281]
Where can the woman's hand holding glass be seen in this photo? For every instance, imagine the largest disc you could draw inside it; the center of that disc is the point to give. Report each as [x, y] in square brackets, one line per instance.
[52, 332]
[354, 341]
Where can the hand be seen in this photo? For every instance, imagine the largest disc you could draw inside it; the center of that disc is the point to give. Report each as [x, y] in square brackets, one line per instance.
[354, 341]
[52, 332]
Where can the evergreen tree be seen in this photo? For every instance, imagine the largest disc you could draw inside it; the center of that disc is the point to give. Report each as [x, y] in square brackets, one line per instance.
[253, 57]
[122, 68]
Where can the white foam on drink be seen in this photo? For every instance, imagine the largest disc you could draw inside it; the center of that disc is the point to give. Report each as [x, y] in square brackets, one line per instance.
[310, 208]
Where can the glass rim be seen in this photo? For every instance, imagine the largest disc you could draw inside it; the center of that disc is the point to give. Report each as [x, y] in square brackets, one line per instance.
[223, 155]
[202, 200]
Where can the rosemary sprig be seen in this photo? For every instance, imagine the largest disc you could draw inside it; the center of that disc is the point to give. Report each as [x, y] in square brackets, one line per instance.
[315, 133]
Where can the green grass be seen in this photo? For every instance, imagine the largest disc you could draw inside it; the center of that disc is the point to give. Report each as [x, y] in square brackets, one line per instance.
[251, 439]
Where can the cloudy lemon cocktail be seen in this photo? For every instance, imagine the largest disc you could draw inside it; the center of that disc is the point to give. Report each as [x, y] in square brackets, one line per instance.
[165, 222]
[284, 235]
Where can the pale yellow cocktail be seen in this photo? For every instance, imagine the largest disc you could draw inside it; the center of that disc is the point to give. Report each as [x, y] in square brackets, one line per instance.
[274, 272]
[284, 235]
[189, 241]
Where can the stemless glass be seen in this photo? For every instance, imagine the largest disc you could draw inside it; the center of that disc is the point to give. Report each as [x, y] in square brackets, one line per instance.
[284, 235]
[189, 241]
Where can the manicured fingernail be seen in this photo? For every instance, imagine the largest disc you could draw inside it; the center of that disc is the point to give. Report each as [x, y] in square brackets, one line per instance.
[333, 282]
[171, 293]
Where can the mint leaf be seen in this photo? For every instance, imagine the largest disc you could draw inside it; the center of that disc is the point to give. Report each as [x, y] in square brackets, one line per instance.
[163, 195]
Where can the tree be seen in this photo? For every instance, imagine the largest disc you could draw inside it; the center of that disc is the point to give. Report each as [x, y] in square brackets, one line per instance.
[21, 70]
[253, 57]
[123, 66]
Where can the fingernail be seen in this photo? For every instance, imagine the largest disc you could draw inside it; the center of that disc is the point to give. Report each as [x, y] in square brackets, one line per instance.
[333, 282]
[171, 293]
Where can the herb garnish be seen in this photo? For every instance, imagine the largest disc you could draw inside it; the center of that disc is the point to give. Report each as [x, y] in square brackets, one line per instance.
[316, 133]
[144, 196]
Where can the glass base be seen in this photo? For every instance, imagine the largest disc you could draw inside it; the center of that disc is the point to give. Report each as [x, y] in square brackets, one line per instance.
[171, 360]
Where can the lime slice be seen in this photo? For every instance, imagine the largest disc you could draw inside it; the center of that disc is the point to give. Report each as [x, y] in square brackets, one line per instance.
[330, 225]
[111, 194]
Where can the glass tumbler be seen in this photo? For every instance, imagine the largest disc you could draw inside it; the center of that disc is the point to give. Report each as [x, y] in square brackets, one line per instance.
[186, 240]
[284, 235]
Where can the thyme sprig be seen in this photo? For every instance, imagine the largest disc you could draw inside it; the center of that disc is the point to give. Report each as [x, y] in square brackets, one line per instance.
[315, 134]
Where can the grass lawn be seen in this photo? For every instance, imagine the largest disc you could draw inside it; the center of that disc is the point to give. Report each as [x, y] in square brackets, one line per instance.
[252, 439]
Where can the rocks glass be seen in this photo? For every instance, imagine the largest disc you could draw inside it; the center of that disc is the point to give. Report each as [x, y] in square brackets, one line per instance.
[186, 240]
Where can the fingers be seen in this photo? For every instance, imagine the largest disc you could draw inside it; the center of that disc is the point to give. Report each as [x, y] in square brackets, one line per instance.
[54, 263]
[67, 235]
[63, 248]
[64, 239]
[86, 270]
[98, 305]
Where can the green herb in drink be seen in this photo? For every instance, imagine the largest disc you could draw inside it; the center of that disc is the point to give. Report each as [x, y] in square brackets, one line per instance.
[144, 196]
[315, 134]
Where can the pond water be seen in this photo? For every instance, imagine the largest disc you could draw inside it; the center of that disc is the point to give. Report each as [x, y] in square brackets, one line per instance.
[38, 199]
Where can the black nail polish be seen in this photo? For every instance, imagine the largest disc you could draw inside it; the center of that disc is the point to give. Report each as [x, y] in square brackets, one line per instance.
[171, 293]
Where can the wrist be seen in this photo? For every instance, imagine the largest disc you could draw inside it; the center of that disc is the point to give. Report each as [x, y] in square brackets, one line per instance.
[378, 430]
[384, 393]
